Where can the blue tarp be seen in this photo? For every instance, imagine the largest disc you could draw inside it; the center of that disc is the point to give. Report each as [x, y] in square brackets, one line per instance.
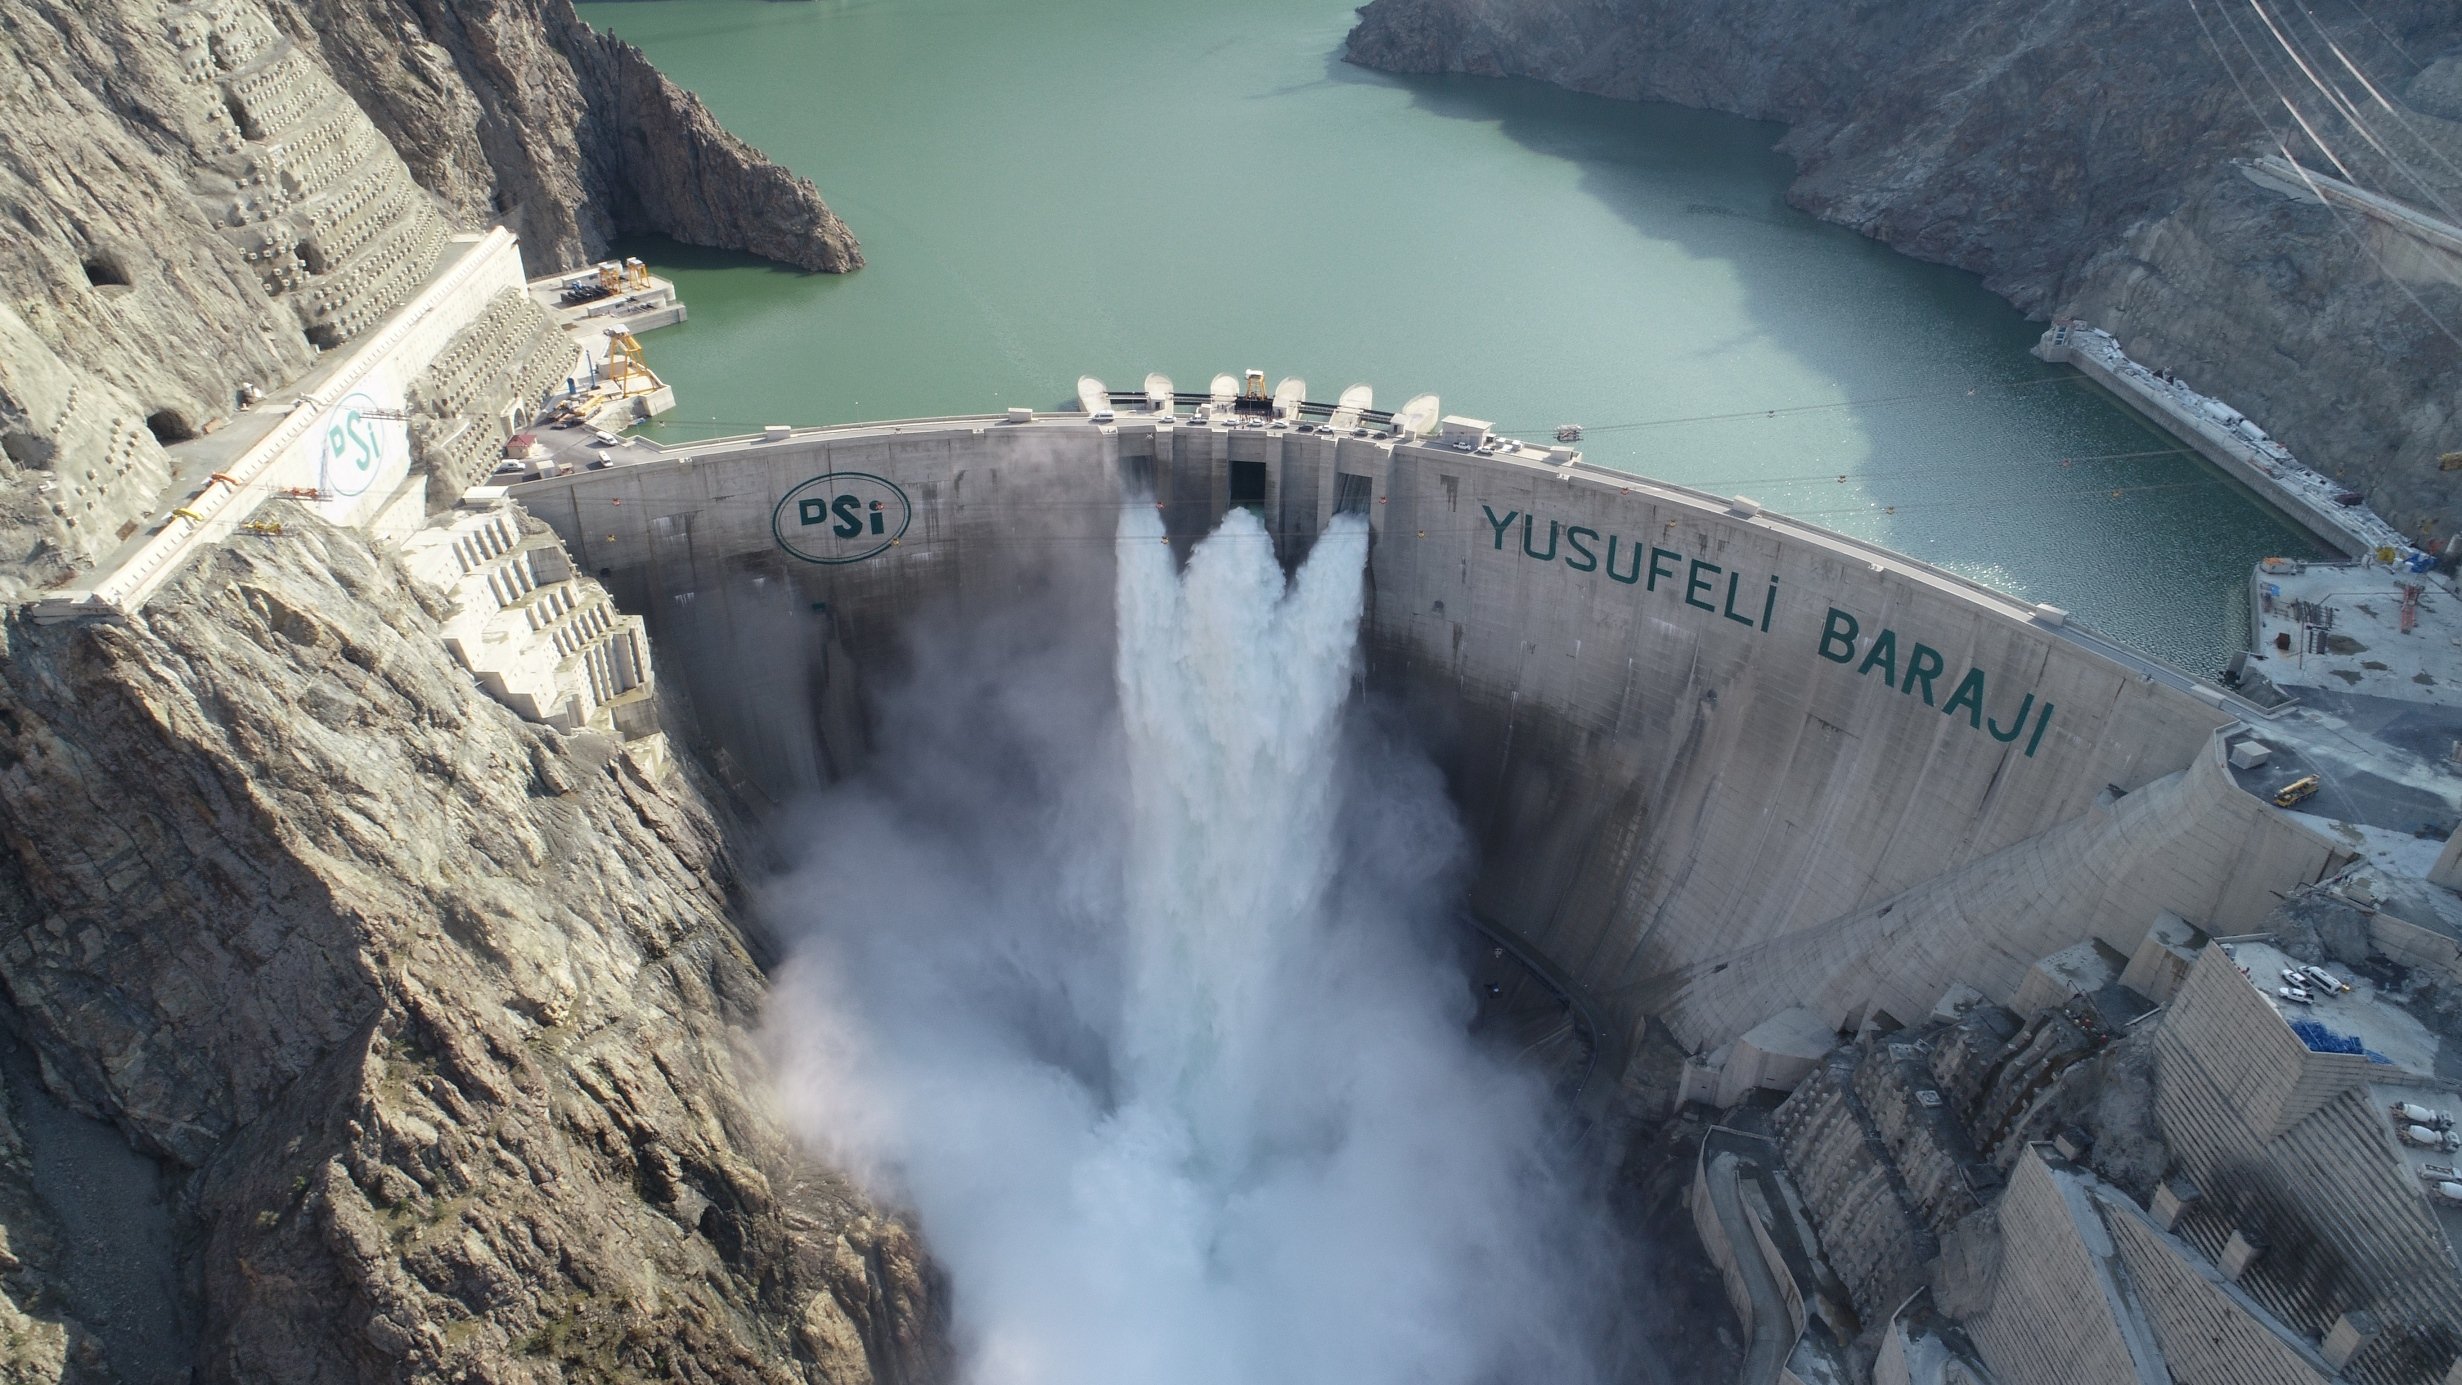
[2323, 1040]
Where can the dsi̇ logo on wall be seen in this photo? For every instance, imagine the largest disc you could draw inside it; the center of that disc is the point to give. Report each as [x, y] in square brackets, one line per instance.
[844, 517]
[353, 450]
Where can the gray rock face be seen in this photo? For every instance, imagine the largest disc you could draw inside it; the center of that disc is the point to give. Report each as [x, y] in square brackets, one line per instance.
[199, 194]
[516, 110]
[2079, 157]
[438, 1015]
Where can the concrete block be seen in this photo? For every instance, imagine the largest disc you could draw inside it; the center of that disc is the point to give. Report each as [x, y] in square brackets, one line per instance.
[1956, 1002]
[2173, 1197]
[2350, 1333]
[1699, 1082]
[2448, 868]
[2073, 971]
[2239, 1253]
[2249, 754]
[2163, 958]
[1777, 1053]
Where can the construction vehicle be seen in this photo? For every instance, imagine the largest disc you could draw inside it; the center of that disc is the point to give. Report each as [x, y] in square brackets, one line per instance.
[2295, 791]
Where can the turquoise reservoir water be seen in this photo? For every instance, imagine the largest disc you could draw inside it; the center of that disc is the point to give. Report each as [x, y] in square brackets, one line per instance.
[1104, 187]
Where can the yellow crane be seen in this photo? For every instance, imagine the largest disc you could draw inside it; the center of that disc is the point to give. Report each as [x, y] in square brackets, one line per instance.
[626, 370]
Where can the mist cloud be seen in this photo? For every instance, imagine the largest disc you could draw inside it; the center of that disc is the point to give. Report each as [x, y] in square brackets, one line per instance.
[1126, 965]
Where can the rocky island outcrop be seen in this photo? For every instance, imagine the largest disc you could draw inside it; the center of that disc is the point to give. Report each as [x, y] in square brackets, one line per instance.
[2091, 161]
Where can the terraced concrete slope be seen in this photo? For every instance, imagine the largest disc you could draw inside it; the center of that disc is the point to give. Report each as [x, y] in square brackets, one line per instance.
[2085, 160]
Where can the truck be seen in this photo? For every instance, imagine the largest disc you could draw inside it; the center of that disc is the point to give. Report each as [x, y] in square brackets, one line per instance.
[2295, 791]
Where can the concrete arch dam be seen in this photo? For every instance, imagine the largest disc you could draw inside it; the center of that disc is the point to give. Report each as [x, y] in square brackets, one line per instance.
[1716, 764]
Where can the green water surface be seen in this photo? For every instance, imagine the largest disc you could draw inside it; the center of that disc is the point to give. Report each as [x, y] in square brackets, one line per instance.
[1108, 187]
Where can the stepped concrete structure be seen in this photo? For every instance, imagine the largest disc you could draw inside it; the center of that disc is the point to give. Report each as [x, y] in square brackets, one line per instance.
[2089, 1287]
[2305, 1190]
[540, 639]
[1718, 764]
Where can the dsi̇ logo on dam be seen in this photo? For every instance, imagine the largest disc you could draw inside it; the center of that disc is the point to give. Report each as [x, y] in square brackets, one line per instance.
[844, 517]
[353, 450]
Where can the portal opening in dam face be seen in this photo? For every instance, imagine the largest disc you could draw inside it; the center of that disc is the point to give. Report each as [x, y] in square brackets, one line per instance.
[1128, 962]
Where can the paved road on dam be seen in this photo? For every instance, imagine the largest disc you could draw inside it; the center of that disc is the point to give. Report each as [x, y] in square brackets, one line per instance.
[1113, 187]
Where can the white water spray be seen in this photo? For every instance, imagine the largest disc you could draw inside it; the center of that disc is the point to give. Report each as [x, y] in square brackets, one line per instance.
[1146, 1033]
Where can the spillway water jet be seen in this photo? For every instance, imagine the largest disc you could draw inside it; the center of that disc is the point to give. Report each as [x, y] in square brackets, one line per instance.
[1177, 1075]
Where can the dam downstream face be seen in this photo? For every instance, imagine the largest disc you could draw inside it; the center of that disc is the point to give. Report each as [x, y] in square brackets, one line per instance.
[1123, 961]
[1107, 187]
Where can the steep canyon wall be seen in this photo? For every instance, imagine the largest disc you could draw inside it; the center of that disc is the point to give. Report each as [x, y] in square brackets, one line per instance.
[435, 1018]
[202, 194]
[424, 1031]
[2081, 158]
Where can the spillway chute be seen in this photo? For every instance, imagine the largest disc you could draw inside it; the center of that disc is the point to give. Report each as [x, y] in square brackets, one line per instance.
[1354, 402]
[1417, 419]
[1158, 392]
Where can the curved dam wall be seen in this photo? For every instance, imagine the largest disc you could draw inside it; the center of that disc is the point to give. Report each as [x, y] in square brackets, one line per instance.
[1704, 752]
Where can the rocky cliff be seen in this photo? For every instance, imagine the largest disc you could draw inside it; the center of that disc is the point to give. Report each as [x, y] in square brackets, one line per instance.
[516, 110]
[434, 1019]
[2081, 158]
[352, 1028]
